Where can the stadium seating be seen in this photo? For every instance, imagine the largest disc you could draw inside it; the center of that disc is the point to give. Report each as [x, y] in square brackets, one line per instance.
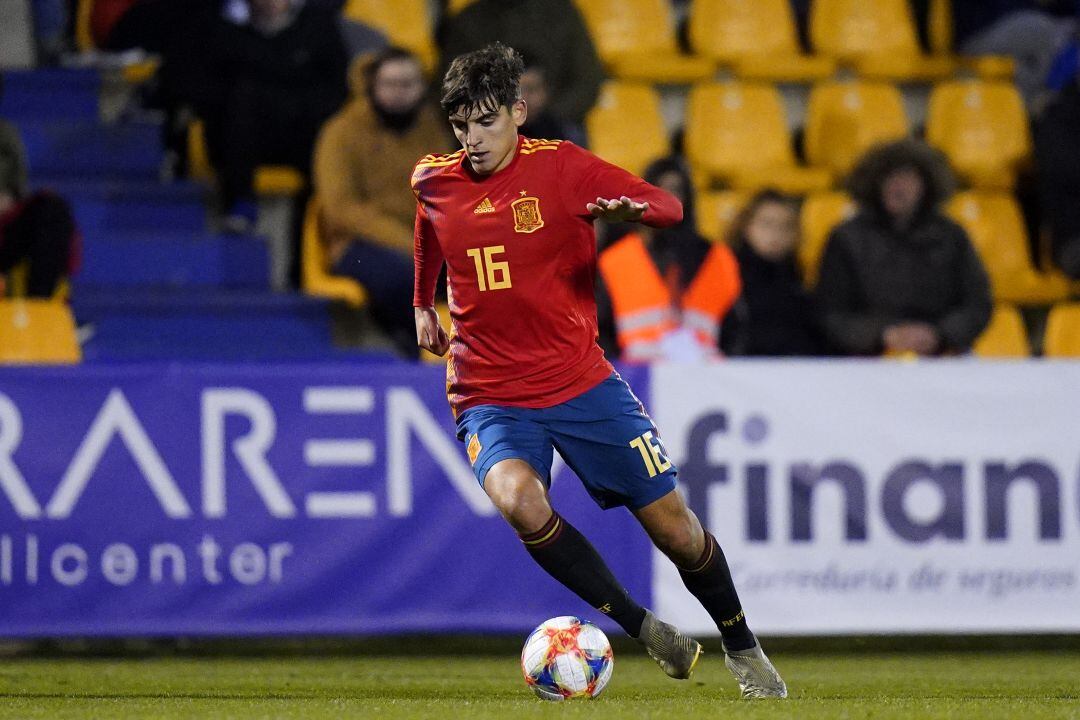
[983, 129]
[716, 210]
[755, 38]
[269, 180]
[635, 39]
[1062, 337]
[453, 7]
[1005, 336]
[876, 38]
[37, 331]
[625, 126]
[821, 212]
[844, 120]
[50, 95]
[407, 23]
[738, 133]
[987, 67]
[996, 227]
[314, 278]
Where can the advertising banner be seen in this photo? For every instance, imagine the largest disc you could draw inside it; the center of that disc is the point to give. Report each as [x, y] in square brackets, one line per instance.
[881, 497]
[231, 500]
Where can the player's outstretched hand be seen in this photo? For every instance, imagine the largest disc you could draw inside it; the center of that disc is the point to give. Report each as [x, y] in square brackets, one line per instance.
[622, 210]
[429, 332]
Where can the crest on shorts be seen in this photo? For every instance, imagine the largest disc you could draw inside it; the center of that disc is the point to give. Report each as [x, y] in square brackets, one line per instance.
[474, 449]
[527, 216]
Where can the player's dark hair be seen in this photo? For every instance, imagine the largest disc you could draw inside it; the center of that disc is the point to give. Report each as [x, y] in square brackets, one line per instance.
[484, 79]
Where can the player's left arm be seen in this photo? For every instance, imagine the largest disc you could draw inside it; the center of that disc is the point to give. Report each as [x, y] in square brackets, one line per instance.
[594, 187]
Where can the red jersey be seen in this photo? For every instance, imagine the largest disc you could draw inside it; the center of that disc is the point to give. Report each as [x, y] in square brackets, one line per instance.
[520, 253]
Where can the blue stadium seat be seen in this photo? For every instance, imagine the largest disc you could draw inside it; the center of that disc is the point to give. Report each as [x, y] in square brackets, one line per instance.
[57, 94]
[208, 325]
[130, 205]
[173, 259]
[88, 149]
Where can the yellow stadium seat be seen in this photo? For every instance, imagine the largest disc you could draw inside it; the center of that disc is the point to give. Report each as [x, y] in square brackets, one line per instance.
[821, 213]
[635, 39]
[738, 133]
[313, 274]
[716, 211]
[755, 38]
[1062, 337]
[405, 22]
[278, 180]
[1005, 336]
[453, 7]
[37, 331]
[846, 119]
[983, 129]
[876, 38]
[625, 126]
[996, 227]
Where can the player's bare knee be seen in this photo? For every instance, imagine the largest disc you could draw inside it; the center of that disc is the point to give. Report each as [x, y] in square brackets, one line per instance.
[518, 496]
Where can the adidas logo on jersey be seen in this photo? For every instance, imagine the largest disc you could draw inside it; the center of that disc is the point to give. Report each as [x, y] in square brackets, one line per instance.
[484, 207]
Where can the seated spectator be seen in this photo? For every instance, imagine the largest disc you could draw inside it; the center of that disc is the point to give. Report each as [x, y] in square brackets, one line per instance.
[775, 314]
[1057, 154]
[187, 83]
[283, 65]
[666, 290]
[35, 227]
[900, 277]
[363, 159]
[540, 122]
[551, 33]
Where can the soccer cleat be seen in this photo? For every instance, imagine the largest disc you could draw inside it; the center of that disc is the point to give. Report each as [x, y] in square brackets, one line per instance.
[756, 675]
[675, 653]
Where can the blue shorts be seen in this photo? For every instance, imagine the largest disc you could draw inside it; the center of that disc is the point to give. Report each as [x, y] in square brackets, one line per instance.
[604, 435]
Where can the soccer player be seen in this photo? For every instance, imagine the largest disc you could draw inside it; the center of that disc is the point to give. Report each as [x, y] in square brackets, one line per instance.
[512, 219]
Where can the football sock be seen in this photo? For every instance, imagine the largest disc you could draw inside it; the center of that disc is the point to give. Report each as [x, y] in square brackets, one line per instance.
[568, 557]
[709, 580]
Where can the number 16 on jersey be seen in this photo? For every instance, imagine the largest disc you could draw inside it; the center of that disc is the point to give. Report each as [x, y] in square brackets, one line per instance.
[491, 274]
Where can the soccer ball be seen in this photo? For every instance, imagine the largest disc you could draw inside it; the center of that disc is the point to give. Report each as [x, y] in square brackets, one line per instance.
[567, 657]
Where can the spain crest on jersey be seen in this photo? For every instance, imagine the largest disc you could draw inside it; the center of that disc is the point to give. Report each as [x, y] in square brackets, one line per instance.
[527, 216]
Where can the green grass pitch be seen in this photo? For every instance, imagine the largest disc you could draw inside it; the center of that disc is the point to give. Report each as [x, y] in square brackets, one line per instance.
[361, 684]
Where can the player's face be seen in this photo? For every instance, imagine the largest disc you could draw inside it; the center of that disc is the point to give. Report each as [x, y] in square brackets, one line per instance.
[489, 136]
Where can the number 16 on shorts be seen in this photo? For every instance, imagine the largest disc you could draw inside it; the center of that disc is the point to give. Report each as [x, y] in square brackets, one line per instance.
[652, 453]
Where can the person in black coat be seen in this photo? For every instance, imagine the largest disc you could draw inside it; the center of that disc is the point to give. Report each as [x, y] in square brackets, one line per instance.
[1057, 155]
[899, 277]
[284, 66]
[775, 314]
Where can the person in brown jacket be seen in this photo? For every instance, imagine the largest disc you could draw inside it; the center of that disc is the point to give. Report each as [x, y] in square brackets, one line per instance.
[363, 160]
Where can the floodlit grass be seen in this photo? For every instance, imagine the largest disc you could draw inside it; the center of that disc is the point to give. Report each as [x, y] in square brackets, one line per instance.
[984, 684]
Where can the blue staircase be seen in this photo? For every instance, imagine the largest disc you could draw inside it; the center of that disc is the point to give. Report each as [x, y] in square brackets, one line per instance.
[154, 283]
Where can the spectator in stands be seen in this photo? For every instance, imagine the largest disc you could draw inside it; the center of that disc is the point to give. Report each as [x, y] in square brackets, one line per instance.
[551, 33]
[775, 314]
[665, 291]
[1032, 32]
[187, 83]
[900, 277]
[35, 227]
[1057, 153]
[363, 159]
[359, 38]
[540, 122]
[284, 69]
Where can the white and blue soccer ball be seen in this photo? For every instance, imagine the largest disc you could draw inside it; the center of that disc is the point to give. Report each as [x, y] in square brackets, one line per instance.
[567, 657]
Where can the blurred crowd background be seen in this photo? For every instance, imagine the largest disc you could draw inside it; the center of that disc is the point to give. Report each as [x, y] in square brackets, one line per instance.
[228, 179]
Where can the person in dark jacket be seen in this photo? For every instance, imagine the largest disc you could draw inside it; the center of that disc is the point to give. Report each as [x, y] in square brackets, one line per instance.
[899, 277]
[775, 314]
[1057, 155]
[285, 67]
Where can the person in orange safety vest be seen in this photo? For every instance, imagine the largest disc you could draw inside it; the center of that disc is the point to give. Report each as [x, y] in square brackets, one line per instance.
[669, 288]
